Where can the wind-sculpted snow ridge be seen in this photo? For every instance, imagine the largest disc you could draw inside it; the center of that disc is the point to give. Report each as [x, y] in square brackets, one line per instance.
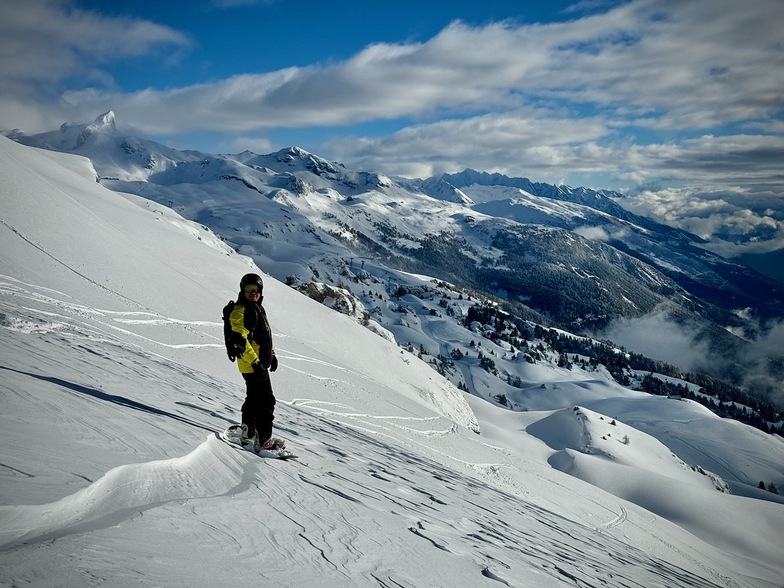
[452, 522]
[211, 469]
[349, 517]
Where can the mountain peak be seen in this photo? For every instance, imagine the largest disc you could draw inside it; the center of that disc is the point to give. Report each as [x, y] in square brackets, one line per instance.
[73, 136]
[439, 188]
[293, 151]
[311, 162]
[105, 122]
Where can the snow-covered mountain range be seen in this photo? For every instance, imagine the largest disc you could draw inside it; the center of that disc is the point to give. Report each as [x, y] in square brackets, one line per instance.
[568, 258]
[115, 383]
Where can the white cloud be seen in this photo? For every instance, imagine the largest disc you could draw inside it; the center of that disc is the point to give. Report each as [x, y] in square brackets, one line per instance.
[494, 142]
[673, 62]
[54, 40]
[594, 233]
[46, 42]
[655, 336]
[679, 344]
[733, 221]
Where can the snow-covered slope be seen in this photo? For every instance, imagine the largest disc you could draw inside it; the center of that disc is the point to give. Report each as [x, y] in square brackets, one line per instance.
[114, 383]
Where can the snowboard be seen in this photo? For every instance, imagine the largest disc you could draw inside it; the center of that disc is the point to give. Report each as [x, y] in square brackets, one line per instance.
[232, 437]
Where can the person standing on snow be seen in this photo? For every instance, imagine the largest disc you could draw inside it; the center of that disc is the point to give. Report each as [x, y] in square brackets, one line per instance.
[252, 339]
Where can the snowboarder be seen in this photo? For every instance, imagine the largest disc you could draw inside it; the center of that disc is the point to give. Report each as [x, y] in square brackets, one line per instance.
[252, 338]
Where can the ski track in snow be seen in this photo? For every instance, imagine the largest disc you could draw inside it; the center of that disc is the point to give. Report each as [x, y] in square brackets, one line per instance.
[69, 316]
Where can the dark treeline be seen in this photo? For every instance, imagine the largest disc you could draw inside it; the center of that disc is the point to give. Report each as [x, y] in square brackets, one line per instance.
[721, 398]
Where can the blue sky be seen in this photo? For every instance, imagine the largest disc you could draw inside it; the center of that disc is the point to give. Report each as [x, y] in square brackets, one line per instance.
[229, 38]
[676, 103]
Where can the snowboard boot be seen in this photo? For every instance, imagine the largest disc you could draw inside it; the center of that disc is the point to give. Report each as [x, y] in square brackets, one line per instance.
[273, 443]
[248, 435]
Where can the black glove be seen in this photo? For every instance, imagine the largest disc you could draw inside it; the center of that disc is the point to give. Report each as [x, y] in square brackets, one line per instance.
[236, 351]
[235, 346]
[273, 364]
[257, 366]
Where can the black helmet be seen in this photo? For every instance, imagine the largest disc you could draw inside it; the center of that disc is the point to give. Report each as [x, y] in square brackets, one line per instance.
[248, 279]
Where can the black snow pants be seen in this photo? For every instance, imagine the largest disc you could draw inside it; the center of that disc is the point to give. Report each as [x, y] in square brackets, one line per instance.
[258, 409]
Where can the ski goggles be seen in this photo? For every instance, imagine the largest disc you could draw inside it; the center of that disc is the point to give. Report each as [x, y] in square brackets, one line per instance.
[252, 289]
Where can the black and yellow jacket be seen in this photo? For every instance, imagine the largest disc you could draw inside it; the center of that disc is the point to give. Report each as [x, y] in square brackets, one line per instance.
[249, 320]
